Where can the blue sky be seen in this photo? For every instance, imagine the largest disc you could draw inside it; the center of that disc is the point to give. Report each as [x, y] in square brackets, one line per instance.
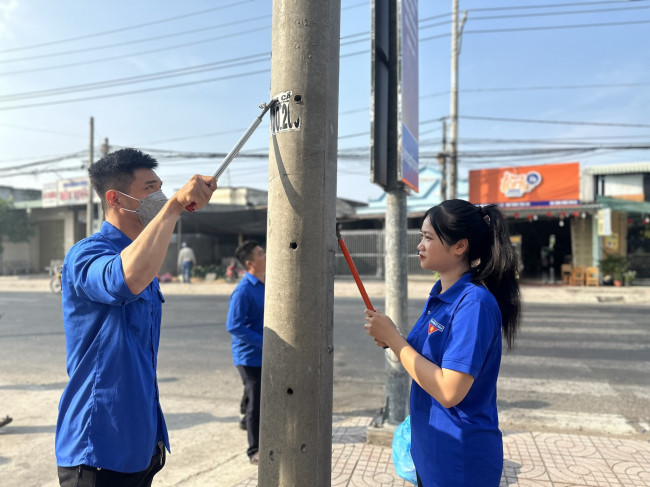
[584, 62]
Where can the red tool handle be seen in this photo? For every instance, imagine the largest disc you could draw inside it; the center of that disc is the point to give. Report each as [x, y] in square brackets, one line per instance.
[190, 207]
[355, 274]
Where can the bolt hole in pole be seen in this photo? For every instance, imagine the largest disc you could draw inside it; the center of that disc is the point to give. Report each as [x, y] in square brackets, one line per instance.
[303, 448]
[297, 98]
[290, 391]
[293, 245]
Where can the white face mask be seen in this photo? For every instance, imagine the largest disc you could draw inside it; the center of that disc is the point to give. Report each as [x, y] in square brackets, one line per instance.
[149, 207]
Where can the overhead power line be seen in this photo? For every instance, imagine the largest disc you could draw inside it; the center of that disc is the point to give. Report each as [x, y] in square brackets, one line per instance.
[538, 14]
[570, 12]
[548, 5]
[133, 92]
[554, 87]
[150, 51]
[226, 63]
[555, 122]
[200, 41]
[556, 27]
[36, 172]
[588, 141]
[549, 27]
[359, 4]
[123, 29]
[487, 154]
[538, 88]
[52, 160]
[147, 39]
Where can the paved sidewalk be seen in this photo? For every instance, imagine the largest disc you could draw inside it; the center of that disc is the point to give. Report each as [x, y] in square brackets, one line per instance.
[532, 459]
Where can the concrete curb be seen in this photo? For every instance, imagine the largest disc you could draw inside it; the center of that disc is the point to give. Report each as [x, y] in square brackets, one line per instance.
[417, 289]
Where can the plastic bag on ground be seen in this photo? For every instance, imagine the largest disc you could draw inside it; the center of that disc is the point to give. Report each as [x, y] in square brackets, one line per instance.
[402, 452]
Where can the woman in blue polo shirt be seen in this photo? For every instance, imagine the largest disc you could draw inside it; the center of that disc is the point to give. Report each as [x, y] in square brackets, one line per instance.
[454, 350]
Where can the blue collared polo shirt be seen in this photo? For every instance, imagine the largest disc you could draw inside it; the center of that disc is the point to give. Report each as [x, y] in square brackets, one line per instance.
[109, 413]
[245, 321]
[459, 446]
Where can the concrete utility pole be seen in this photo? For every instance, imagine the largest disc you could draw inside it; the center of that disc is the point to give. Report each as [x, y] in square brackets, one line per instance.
[105, 147]
[297, 360]
[397, 379]
[442, 159]
[89, 204]
[456, 33]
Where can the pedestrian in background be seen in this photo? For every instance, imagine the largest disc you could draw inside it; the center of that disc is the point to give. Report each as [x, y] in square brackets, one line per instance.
[111, 429]
[245, 323]
[186, 260]
[453, 352]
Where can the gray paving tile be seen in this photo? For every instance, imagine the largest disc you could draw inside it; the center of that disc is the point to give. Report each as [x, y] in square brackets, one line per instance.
[530, 460]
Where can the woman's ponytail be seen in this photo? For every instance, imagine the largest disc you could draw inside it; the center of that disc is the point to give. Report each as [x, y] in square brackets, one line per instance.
[498, 270]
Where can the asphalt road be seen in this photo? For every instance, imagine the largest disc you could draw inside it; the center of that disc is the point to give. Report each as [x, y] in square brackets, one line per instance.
[575, 368]
[568, 358]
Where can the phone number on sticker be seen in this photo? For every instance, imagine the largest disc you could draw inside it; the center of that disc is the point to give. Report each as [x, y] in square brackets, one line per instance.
[281, 120]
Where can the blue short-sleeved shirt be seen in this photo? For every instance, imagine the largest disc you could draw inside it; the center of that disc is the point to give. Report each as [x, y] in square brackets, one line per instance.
[245, 321]
[459, 446]
[109, 413]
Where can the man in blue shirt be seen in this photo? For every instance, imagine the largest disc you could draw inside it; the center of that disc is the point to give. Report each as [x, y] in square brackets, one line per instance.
[246, 325]
[110, 429]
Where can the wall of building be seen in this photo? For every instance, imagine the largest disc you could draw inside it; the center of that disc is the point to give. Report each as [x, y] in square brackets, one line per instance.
[581, 242]
[16, 258]
[617, 242]
[624, 186]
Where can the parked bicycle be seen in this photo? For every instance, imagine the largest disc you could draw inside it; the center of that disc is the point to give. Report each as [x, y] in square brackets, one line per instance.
[55, 280]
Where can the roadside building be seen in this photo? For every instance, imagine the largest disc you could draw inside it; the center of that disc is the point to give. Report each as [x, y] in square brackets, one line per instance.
[558, 214]
[233, 215]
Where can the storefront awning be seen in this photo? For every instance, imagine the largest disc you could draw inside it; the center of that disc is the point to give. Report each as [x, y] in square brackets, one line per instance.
[625, 206]
[556, 210]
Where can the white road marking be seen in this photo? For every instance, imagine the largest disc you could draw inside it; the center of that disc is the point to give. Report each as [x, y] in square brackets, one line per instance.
[601, 424]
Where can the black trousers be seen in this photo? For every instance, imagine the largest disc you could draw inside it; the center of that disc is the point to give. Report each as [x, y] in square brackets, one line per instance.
[85, 476]
[252, 379]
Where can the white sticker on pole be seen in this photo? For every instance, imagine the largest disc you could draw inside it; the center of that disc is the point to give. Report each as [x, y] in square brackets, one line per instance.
[281, 117]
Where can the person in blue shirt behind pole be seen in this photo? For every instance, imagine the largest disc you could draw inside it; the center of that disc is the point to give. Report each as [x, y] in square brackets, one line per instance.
[453, 352]
[245, 323]
[110, 428]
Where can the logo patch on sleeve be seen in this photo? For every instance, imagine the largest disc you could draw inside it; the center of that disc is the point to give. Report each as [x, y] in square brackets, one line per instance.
[434, 326]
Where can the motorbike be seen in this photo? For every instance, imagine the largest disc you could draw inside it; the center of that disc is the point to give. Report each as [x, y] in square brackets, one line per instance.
[233, 272]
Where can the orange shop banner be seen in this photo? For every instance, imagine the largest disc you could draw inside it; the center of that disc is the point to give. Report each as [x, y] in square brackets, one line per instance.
[544, 185]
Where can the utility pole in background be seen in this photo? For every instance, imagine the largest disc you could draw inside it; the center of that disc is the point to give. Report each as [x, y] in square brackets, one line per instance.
[397, 379]
[442, 159]
[394, 165]
[105, 150]
[105, 147]
[89, 204]
[297, 358]
[456, 33]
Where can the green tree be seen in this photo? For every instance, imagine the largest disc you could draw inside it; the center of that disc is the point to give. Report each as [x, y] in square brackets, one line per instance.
[14, 224]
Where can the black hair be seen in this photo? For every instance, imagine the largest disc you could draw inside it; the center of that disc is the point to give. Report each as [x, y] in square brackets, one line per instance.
[116, 171]
[244, 251]
[492, 257]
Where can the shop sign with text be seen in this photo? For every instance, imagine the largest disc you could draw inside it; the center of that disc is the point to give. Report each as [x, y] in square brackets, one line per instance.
[526, 186]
